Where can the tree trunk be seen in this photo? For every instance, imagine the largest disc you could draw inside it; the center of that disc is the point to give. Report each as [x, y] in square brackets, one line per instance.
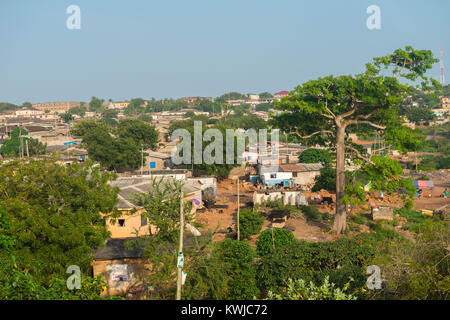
[340, 222]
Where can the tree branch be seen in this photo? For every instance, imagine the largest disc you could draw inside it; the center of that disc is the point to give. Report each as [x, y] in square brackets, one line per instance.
[347, 114]
[358, 154]
[311, 135]
[329, 111]
[366, 122]
[367, 116]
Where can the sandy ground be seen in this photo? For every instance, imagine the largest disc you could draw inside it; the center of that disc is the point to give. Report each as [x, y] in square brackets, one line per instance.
[221, 218]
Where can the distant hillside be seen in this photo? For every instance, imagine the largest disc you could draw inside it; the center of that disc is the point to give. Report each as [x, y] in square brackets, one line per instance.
[4, 106]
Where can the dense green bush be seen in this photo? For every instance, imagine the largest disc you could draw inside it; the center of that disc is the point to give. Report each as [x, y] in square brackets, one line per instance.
[415, 219]
[326, 180]
[340, 260]
[311, 213]
[315, 156]
[227, 272]
[303, 290]
[250, 223]
[237, 257]
[419, 270]
[273, 238]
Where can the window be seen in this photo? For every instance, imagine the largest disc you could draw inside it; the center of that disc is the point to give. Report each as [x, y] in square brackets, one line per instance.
[143, 220]
[121, 222]
[294, 174]
[152, 165]
[273, 176]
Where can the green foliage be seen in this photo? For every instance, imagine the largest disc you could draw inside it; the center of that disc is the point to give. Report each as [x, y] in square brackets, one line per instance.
[384, 175]
[141, 133]
[416, 221]
[67, 117]
[121, 151]
[145, 117]
[264, 107]
[315, 156]
[96, 104]
[135, 107]
[354, 194]
[207, 278]
[417, 114]
[250, 223]
[301, 290]
[54, 214]
[342, 260]
[379, 237]
[240, 121]
[231, 96]
[313, 214]
[264, 95]
[5, 106]
[162, 209]
[420, 270]
[154, 105]
[430, 163]
[12, 147]
[109, 116]
[238, 257]
[217, 169]
[189, 114]
[80, 110]
[326, 180]
[225, 272]
[18, 285]
[273, 238]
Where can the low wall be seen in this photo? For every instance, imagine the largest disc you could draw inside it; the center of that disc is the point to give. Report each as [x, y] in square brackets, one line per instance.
[294, 198]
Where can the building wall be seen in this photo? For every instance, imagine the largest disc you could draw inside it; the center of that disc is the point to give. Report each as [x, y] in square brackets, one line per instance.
[59, 107]
[111, 270]
[267, 178]
[304, 178]
[132, 224]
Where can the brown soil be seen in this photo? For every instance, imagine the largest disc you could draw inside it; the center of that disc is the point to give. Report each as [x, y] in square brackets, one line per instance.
[221, 219]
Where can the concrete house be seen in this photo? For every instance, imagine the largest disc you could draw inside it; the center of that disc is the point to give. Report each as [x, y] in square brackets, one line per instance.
[131, 222]
[302, 173]
[156, 161]
[269, 176]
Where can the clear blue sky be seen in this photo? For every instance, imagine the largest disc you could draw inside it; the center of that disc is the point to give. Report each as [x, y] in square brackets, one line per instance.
[178, 48]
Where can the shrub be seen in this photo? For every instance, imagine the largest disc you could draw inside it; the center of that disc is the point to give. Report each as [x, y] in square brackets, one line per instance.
[311, 213]
[315, 156]
[250, 223]
[273, 238]
[311, 261]
[326, 180]
[420, 270]
[237, 257]
[301, 290]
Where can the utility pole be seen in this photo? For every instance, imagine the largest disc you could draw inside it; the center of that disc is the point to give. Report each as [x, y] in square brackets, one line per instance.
[21, 142]
[28, 153]
[142, 159]
[180, 248]
[238, 205]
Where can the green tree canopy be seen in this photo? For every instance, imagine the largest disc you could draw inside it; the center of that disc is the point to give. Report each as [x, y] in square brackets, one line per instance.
[140, 132]
[327, 109]
[315, 156]
[96, 104]
[55, 214]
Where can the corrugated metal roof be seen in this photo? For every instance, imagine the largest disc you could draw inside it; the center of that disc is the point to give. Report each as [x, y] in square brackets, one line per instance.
[130, 187]
[301, 167]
